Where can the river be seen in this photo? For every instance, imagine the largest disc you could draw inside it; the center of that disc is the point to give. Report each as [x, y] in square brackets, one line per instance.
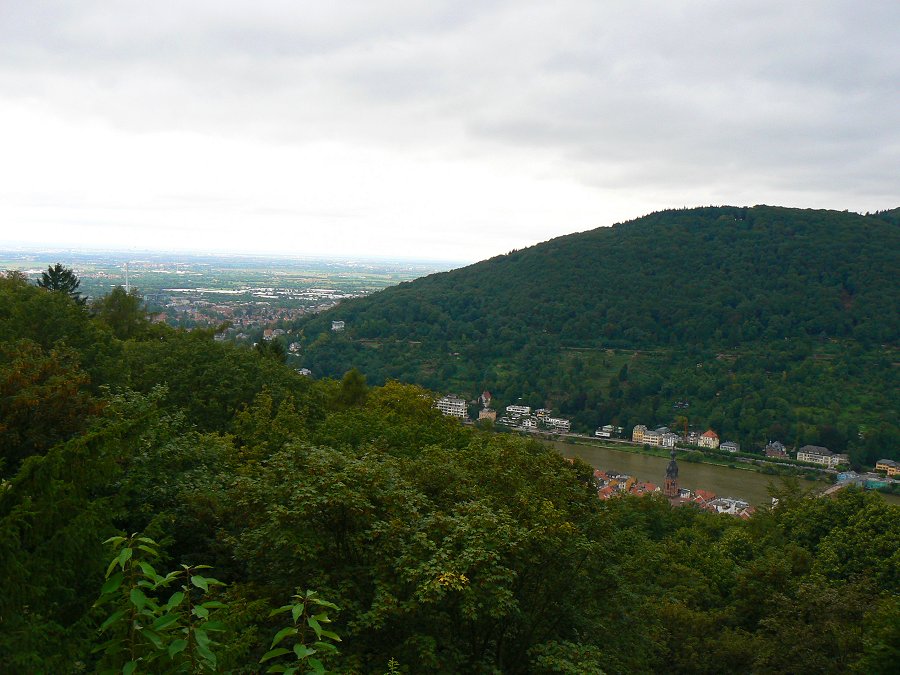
[725, 482]
[750, 486]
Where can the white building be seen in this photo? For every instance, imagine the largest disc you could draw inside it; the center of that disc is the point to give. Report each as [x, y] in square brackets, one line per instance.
[816, 454]
[518, 409]
[730, 446]
[709, 439]
[337, 326]
[668, 440]
[727, 505]
[452, 406]
[608, 431]
[558, 423]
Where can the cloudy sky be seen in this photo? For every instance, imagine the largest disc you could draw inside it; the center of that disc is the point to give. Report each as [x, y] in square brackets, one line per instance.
[432, 129]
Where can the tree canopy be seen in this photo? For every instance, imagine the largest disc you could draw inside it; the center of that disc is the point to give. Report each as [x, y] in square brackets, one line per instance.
[445, 549]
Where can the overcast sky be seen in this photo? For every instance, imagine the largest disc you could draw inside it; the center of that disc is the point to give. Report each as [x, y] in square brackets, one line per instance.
[430, 129]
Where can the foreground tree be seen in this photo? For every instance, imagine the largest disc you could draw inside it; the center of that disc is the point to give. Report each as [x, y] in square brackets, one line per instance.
[43, 400]
[63, 279]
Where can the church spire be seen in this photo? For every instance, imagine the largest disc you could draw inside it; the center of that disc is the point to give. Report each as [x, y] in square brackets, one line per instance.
[671, 485]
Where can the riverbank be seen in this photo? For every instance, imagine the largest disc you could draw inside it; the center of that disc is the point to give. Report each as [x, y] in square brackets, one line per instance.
[723, 481]
[688, 455]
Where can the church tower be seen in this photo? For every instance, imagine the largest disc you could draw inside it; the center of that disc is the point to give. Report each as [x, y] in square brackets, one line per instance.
[671, 485]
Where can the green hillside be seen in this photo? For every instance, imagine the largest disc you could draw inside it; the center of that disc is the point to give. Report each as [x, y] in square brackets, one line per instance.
[354, 529]
[768, 321]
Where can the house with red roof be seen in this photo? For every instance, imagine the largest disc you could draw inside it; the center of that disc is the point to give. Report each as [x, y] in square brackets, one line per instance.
[709, 439]
[606, 492]
[703, 496]
[641, 489]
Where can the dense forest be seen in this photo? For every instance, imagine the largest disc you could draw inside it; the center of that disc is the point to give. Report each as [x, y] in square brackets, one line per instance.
[769, 323]
[351, 528]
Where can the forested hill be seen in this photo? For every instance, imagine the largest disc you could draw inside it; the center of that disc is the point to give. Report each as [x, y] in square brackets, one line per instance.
[354, 529]
[701, 276]
[688, 285]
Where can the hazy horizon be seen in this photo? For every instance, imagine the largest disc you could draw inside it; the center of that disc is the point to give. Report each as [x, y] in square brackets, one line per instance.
[132, 255]
[435, 131]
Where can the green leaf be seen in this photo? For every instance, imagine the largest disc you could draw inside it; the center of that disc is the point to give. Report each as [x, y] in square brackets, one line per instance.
[331, 635]
[201, 637]
[138, 599]
[302, 651]
[112, 564]
[114, 540]
[274, 653]
[214, 604]
[281, 610]
[176, 599]
[206, 653]
[199, 582]
[147, 549]
[176, 647]
[147, 569]
[317, 666]
[324, 603]
[154, 637]
[112, 584]
[115, 616]
[129, 668]
[200, 611]
[296, 611]
[147, 540]
[214, 626]
[165, 621]
[314, 624]
[124, 556]
[283, 633]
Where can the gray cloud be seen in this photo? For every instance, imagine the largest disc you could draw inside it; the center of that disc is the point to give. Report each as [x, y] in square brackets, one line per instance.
[669, 101]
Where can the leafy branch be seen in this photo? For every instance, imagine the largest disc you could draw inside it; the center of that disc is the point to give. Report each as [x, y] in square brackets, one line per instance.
[308, 613]
[144, 629]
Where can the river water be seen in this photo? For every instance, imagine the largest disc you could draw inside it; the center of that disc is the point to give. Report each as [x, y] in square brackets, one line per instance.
[725, 482]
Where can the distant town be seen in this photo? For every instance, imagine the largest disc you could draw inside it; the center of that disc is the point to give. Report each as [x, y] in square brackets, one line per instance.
[250, 298]
[609, 483]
